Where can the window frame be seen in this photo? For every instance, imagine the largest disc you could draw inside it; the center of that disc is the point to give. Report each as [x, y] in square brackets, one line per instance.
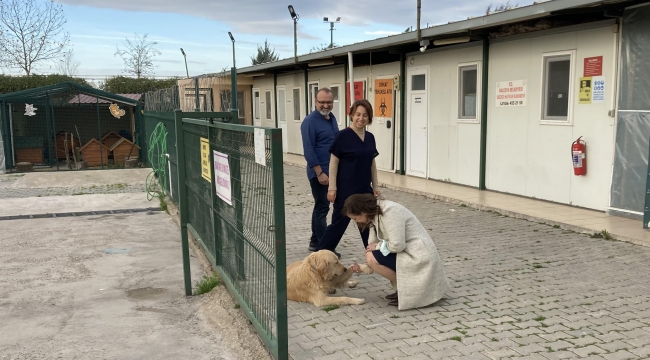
[299, 102]
[557, 120]
[338, 116]
[259, 108]
[311, 100]
[466, 119]
[268, 106]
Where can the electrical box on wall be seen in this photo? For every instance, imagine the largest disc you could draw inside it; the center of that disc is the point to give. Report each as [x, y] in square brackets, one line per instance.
[396, 83]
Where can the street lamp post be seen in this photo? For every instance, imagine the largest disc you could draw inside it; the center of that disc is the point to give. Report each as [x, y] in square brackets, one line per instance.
[233, 80]
[295, 18]
[326, 20]
[184, 56]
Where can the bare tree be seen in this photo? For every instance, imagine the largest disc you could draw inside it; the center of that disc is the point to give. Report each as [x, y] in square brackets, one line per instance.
[67, 65]
[31, 32]
[138, 56]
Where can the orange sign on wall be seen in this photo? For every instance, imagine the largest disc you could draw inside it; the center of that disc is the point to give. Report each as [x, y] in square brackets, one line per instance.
[359, 93]
[383, 106]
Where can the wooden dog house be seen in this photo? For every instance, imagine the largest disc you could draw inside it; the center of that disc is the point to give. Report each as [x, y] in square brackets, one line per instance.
[121, 151]
[111, 138]
[92, 155]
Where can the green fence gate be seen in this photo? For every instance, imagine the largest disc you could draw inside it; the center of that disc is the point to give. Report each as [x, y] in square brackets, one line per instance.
[235, 210]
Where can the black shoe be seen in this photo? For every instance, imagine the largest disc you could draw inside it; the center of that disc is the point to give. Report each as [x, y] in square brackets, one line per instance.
[391, 296]
[394, 303]
[312, 245]
[337, 254]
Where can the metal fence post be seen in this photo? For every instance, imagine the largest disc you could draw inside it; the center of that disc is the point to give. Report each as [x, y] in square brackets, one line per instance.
[196, 94]
[277, 185]
[182, 199]
[237, 140]
[99, 132]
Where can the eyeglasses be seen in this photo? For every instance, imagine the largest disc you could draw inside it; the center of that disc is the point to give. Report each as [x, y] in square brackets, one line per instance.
[324, 102]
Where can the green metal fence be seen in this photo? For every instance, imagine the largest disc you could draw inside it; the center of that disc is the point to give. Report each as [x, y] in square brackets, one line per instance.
[236, 213]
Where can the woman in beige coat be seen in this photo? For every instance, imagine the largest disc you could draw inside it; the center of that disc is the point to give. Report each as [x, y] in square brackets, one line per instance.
[401, 250]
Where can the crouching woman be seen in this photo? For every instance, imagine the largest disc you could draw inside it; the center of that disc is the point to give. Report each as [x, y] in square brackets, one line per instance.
[399, 249]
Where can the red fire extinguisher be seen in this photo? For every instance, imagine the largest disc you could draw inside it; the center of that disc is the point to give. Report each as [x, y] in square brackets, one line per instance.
[579, 157]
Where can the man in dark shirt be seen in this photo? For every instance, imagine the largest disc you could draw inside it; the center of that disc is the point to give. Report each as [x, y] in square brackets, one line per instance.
[318, 130]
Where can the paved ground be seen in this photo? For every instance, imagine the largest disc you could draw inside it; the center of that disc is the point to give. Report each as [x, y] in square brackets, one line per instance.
[521, 290]
[104, 286]
[41, 184]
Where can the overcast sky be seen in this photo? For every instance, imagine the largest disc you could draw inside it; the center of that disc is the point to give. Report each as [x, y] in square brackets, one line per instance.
[201, 28]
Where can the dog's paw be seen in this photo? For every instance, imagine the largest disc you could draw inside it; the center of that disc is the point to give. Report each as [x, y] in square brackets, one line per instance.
[365, 269]
[351, 283]
[332, 291]
[358, 301]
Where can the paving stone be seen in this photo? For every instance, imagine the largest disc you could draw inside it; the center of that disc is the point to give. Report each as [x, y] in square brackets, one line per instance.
[584, 291]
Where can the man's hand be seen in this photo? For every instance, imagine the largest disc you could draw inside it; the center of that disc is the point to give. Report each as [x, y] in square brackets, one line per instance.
[323, 179]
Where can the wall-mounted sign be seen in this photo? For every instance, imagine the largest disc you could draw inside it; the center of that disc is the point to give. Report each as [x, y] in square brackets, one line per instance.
[591, 90]
[383, 106]
[359, 93]
[222, 177]
[30, 110]
[593, 66]
[205, 159]
[584, 94]
[511, 93]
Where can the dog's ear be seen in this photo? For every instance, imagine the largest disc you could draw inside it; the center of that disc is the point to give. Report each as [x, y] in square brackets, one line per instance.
[317, 262]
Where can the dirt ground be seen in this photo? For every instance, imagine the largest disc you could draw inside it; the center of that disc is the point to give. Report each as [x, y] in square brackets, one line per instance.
[108, 286]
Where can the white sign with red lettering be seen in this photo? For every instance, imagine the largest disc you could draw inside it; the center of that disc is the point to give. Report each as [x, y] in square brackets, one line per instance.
[511, 93]
[222, 180]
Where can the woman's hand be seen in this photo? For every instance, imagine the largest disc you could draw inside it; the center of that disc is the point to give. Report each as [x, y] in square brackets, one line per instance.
[355, 268]
[377, 193]
[331, 196]
[371, 247]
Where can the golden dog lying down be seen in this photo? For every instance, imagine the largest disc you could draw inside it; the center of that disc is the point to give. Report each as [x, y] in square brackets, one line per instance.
[311, 279]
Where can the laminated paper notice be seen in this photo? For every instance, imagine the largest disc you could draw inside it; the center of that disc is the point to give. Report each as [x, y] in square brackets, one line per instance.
[511, 93]
[260, 147]
[205, 159]
[222, 179]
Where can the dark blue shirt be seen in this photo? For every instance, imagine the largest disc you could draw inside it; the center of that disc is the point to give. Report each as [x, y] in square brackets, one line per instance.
[317, 137]
[354, 174]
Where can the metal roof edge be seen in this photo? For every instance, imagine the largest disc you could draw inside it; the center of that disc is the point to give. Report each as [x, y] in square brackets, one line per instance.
[504, 17]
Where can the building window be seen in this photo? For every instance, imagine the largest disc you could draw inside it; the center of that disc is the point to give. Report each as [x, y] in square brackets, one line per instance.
[556, 87]
[225, 104]
[336, 106]
[313, 90]
[268, 105]
[256, 105]
[241, 105]
[467, 92]
[418, 82]
[296, 104]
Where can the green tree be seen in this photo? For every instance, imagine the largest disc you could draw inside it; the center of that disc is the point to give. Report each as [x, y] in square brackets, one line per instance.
[499, 8]
[9, 84]
[264, 54]
[31, 32]
[128, 85]
[137, 55]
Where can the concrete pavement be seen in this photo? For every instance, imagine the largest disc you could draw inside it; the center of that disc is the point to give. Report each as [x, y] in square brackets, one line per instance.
[520, 290]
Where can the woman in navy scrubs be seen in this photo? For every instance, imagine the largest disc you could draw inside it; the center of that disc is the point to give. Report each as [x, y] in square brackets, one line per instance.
[352, 171]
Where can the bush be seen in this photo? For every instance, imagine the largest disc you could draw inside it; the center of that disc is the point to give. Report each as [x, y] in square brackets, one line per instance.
[127, 85]
[9, 84]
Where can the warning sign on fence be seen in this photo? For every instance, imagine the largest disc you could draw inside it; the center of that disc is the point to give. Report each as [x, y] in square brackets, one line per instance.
[205, 159]
[222, 177]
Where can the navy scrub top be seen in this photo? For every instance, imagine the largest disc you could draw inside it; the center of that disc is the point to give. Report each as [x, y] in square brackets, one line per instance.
[355, 161]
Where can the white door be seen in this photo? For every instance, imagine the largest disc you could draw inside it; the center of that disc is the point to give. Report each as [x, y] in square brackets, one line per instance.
[417, 121]
[256, 108]
[383, 121]
[282, 116]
